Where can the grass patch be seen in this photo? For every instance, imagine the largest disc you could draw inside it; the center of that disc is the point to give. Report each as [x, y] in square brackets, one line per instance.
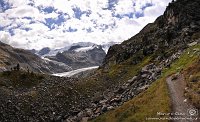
[20, 79]
[145, 105]
[192, 76]
[185, 60]
[189, 65]
[125, 70]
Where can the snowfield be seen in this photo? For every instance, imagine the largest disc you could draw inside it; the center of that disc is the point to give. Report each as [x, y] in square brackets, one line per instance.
[74, 72]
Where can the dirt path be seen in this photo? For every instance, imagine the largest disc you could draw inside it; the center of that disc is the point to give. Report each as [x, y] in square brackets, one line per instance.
[182, 110]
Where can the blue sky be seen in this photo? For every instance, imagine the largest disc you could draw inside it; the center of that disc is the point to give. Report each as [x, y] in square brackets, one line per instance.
[57, 23]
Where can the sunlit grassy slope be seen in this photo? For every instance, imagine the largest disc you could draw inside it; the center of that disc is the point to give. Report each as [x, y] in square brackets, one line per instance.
[155, 99]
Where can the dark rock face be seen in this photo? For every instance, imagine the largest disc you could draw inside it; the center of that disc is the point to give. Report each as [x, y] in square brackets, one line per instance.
[28, 61]
[172, 31]
[32, 51]
[44, 51]
[74, 47]
[80, 59]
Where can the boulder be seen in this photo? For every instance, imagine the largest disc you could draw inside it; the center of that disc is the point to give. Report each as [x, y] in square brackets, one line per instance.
[132, 80]
[104, 108]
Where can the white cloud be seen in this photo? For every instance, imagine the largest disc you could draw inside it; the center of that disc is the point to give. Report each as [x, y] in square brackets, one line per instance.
[52, 15]
[17, 3]
[124, 7]
[38, 27]
[157, 9]
[5, 36]
[44, 3]
[4, 20]
[103, 26]
[24, 11]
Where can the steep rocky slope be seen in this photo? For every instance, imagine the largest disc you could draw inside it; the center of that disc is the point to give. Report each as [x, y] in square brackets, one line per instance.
[146, 105]
[131, 67]
[172, 31]
[162, 43]
[10, 57]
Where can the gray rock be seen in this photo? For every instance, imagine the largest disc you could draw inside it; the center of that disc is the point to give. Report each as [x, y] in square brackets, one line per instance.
[104, 108]
[132, 80]
[110, 108]
[144, 76]
[89, 112]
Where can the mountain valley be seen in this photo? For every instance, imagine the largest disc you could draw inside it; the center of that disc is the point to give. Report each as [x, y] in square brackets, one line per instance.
[130, 84]
[77, 55]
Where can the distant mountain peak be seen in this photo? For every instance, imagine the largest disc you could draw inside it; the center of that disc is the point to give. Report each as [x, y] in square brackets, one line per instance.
[80, 46]
[44, 51]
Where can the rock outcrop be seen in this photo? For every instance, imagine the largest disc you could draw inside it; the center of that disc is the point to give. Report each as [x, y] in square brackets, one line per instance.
[171, 32]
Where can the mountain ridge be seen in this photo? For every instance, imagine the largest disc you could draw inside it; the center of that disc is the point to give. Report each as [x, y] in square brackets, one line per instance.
[46, 51]
[10, 57]
[80, 57]
[172, 30]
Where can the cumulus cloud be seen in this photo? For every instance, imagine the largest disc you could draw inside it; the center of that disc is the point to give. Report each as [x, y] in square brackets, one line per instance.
[24, 11]
[56, 23]
[124, 7]
[5, 37]
[4, 20]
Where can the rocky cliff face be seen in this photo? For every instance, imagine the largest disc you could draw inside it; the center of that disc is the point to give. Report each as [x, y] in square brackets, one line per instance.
[171, 32]
[9, 57]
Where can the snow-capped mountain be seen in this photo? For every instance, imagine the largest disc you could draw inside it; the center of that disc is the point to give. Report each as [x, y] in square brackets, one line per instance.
[80, 46]
[76, 55]
[80, 57]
